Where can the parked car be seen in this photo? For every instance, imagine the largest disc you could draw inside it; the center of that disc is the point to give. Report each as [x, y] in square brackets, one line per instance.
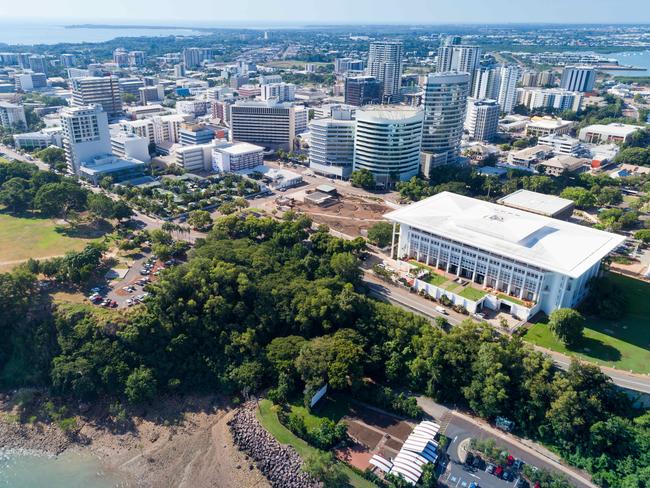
[518, 464]
[441, 310]
[508, 476]
[478, 463]
[489, 468]
[473, 484]
[498, 472]
[469, 459]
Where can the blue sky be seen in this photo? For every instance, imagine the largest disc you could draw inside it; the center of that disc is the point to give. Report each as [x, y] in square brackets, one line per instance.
[219, 12]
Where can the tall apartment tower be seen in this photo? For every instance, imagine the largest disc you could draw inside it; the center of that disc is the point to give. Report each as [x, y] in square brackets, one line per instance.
[482, 119]
[507, 94]
[454, 56]
[38, 63]
[578, 78]
[363, 90]
[102, 90]
[85, 135]
[387, 142]
[331, 145]
[68, 60]
[264, 123]
[385, 64]
[445, 105]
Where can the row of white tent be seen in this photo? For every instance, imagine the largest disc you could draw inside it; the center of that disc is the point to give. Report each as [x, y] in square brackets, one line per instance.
[419, 449]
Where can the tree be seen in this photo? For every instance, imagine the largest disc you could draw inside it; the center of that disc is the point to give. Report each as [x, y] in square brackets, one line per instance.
[16, 194]
[583, 198]
[57, 199]
[324, 467]
[200, 219]
[567, 325]
[643, 235]
[51, 156]
[140, 385]
[363, 178]
[129, 98]
[381, 234]
[121, 210]
[100, 206]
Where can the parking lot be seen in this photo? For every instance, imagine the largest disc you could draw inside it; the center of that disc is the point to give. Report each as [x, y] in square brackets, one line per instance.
[462, 476]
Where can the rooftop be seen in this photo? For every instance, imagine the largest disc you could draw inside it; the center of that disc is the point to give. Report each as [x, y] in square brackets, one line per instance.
[614, 129]
[547, 243]
[549, 123]
[536, 202]
[239, 148]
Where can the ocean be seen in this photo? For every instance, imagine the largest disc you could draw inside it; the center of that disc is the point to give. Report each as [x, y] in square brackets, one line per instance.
[638, 59]
[29, 469]
[35, 33]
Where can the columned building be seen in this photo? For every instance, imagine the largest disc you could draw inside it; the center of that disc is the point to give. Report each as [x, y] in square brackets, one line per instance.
[515, 261]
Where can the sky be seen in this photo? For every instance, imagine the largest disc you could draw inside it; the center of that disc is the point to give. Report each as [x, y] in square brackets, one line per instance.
[220, 12]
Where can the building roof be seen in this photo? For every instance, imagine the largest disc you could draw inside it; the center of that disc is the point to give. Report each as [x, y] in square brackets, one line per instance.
[564, 162]
[389, 113]
[621, 130]
[534, 202]
[547, 243]
[548, 123]
[239, 148]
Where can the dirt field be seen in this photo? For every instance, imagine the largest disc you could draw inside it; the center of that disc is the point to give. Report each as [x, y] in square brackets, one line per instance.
[352, 216]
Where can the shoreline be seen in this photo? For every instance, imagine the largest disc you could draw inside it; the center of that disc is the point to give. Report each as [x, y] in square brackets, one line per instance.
[194, 450]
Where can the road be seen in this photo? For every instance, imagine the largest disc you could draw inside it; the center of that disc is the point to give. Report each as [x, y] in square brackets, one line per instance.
[460, 427]
[414, 303]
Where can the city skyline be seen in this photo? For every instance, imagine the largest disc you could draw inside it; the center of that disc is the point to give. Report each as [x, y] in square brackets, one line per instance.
[292, 12]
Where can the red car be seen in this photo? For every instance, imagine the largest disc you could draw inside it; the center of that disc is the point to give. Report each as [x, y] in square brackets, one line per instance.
[510, 460]
[498, 472]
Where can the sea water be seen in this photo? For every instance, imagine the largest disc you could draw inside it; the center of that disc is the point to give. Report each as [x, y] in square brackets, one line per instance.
[21, 468]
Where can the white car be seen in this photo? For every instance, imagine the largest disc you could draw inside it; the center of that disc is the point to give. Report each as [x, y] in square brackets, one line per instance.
[441, 310]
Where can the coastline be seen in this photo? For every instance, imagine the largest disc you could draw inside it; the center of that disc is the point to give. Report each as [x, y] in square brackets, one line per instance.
[179, 442]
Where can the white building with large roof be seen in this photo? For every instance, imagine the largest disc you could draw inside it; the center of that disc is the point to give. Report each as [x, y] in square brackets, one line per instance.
[516, 261]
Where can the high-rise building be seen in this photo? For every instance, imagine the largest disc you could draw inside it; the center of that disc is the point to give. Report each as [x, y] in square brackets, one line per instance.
[103, 90]
[545, 98]
[191, 135]
[482, 119]
[85, 134]
[38, 63]
[130, 145]
[343, 65]
[151, 94]
[363, 90]
[68, 60]
[331, 145]
[121, 57]
[269, 124]
[136, 58]
[486, 83]
[578, 78]
[537, 78]
[30, 81]
[179, 70]
[193, 57]
[507, 94]
[23, 60]
[284, 92]
[387, 142]
[445, 104]
[12, 115]
[453, 56]
[131, 85]
[385, 65]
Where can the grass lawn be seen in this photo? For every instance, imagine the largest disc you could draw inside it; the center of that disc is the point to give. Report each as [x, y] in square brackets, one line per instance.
[269, 420]
[472, 294]
[511, 299]
[23, 238]
[327, 407]
[622, 343]
[451, 286]
[435, 279]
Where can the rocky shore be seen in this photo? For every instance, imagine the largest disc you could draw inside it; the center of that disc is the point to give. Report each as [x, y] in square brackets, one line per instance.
[281, 465]
[44, 438]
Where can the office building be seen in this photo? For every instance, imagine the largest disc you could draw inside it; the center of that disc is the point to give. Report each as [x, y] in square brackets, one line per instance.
[363, 90]
[385, 65]
[283, 92]
[343, 65]
[192, 135]
[38, 63]
[331, 145]
[179, 70]
[561, 164]
[30, 81]
[158, 129]
[549, 98]
[265, 123]
[544, 126]
[228, 156]
[578, 78]
[507, 94]
[267, 79]
[334, 110]
[562, 144]
[445, 105]
[85, 135]
[107, 165]
[131, 85]
[387, 142]
[104, 91]
[49, 136]
[12, 115]
[8, 59]
[606, 134]
[523, 263]
[540, 79]
[453, 56]
[197, 157]
[237, 81]
[23, 60]
[151, 94]
[129, 145]
[482, 119]
[68, 60]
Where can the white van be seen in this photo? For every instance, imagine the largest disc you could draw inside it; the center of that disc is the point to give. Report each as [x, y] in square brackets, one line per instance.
[441, 310]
